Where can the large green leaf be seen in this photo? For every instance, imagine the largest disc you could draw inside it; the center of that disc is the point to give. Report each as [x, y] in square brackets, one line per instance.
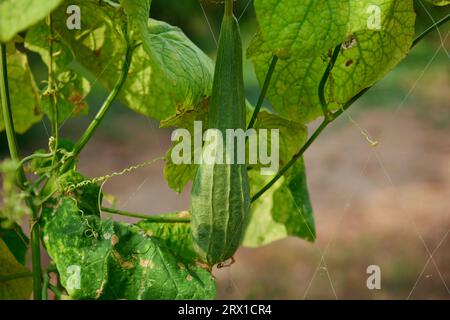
[102, 259]
[168, 73]
[23, 93]
[12, 288]
[306, 28]
[71, 87]
[18, 15]
[284, 210]
[365, 57]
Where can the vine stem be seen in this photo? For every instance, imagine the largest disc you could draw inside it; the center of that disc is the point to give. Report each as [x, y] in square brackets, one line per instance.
[332, 117]
[291, 162]
[6, 107]
[324, 80]
[104, 108]
[56, 291]
[14, 153]
[52, 91]
[263, 93]
[163, 218]
[430, 29]
[45, 283]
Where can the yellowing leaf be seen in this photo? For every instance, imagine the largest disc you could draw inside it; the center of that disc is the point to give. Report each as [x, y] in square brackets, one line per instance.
[18, 15]
[23, 93]
[365, 57]
[168, 74]
[284, 210]
[14, 282]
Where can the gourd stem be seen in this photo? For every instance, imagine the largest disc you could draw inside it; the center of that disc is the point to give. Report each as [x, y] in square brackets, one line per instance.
[333, 117]
[162, 218]
[263, 93]
[14, 153]
[229, 8]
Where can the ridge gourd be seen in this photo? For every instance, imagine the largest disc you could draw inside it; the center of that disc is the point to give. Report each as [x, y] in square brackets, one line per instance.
[220, 199]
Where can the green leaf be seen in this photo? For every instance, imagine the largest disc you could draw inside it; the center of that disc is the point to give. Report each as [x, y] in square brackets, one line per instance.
[168, 73]
[16, 241]
[87, 194]
[23, 93]
[12, 288]
[72, 88]
[292, 135]
[102, 259]
[176, 236]
[13, 207]
[178, 175]
[306, 28]
[439, 2]
[365, 57]
[41, 166]
[284, 210]
[18, 15]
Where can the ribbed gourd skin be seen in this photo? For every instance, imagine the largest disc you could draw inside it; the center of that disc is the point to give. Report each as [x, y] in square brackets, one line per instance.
[220, 198]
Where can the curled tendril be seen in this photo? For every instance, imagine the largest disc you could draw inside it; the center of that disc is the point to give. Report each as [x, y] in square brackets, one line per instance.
[104, 178]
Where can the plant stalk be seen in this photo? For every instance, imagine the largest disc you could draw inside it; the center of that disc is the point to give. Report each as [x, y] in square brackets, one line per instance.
[229, 8]
[291, 162]
[51, 91]
[263, 93]
[104, 108]
[13, 150]
[163, 218]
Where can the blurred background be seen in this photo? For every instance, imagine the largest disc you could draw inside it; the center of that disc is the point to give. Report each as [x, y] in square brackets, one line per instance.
[387, 206]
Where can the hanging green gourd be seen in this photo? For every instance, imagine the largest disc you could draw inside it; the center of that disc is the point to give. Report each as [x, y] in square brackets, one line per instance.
[220, 197]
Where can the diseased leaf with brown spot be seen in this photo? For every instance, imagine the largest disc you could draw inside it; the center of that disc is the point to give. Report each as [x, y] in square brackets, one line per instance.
[71, 87]
[117, 261]
[168, 72]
